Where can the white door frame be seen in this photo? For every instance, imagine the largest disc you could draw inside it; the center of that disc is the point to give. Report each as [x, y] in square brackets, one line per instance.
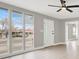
[66, 28]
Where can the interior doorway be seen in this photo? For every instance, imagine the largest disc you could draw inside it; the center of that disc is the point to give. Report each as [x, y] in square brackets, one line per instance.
[71, 30]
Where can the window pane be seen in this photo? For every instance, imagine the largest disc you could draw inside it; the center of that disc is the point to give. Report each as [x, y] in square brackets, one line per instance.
[71, 31]
[17, 31]
[29, 28]
[3, 30]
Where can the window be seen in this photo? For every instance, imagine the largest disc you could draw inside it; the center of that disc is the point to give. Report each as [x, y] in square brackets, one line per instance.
[29, 31]
[17, 31]
[74, 30]
[3, 31]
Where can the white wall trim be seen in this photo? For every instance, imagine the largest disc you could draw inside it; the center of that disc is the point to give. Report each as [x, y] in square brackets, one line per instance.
[60, 43]
[55, 44]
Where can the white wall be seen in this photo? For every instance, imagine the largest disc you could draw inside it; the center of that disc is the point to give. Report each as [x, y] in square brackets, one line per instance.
[59, 31]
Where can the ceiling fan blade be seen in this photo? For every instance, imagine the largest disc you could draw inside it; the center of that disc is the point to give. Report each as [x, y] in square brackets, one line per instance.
[73, 6]
[59, 10]
[54, 6]
[69, 10]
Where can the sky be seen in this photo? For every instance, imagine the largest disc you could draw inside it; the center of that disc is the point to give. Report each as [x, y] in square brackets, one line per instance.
[16, 18]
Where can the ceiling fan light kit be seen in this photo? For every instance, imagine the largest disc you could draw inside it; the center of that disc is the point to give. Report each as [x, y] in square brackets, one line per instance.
[64, 6]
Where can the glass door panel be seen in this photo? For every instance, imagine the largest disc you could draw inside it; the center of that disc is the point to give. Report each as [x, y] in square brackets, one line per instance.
[3, 31]
[29, 32]
[17, 31]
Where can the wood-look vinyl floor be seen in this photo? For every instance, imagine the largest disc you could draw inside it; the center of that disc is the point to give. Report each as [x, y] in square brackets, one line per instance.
[68, 51]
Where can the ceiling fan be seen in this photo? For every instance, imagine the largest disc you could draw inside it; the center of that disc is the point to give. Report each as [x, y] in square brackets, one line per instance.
[64, 6]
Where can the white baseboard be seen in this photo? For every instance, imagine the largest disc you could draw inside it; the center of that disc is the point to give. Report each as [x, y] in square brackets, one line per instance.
[39, 48]
[60, 43]
[55, 44]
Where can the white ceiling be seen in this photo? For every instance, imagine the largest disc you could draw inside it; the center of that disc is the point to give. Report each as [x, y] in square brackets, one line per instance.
[41, 6]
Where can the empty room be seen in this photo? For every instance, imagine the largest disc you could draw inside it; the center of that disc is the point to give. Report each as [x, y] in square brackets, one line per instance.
[39, 29]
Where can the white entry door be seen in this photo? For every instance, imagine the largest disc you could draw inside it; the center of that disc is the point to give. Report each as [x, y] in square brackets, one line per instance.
[48, 32]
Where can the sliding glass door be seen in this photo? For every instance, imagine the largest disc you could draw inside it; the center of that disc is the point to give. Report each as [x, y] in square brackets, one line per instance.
[3, 31]
[17, 31]
[29, 32]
